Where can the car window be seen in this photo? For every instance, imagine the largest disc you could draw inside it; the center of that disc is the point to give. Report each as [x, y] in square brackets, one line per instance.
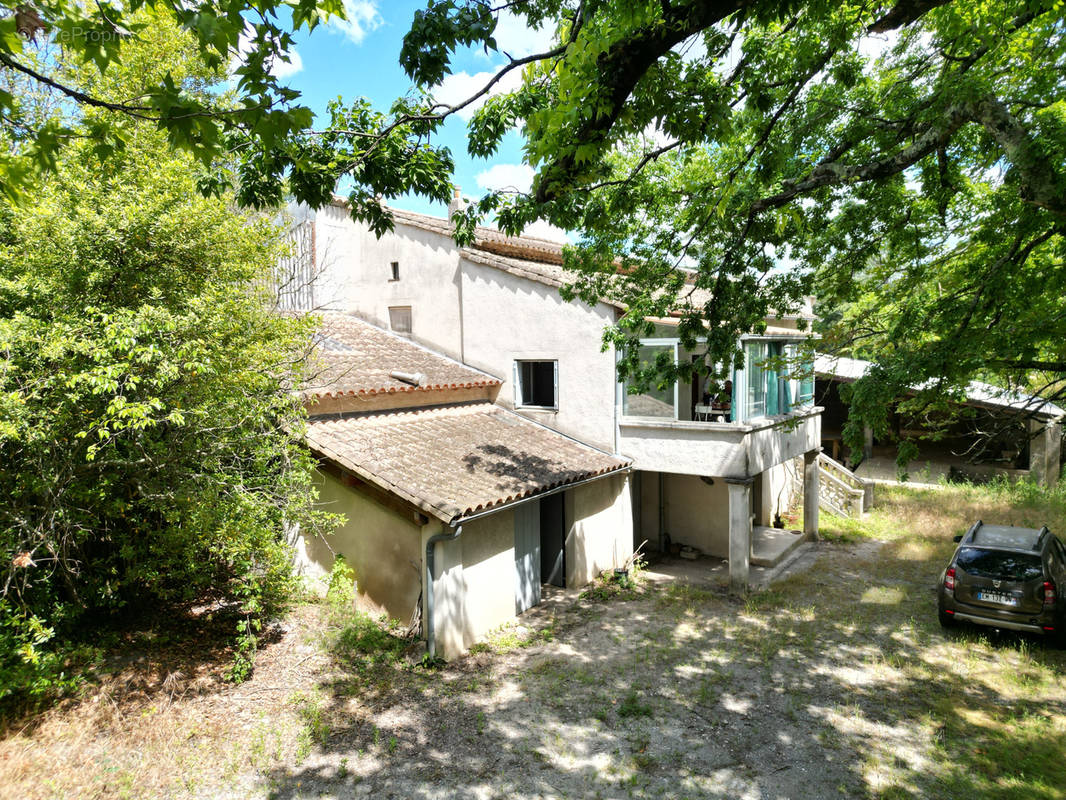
[1000, 564]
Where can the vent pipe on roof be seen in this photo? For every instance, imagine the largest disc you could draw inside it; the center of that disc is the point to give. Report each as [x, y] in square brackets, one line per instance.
[413, 378]
[456, 204]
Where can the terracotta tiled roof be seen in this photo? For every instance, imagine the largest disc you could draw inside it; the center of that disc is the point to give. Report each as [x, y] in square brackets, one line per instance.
[551, 274]
[530, 248]
[358, 358]
[457, 460]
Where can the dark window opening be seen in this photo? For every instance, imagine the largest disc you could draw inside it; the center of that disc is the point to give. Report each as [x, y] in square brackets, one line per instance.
[537, 383]
[395, 267]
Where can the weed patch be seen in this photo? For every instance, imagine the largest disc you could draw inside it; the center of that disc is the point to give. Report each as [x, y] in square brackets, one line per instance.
[352, 637]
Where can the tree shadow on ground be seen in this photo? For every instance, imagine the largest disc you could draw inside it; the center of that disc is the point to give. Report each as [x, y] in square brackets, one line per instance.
[145, 654]
[821, 687]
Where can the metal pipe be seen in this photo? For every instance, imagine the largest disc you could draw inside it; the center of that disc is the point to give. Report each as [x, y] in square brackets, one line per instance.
[412, 378]
[431, 543]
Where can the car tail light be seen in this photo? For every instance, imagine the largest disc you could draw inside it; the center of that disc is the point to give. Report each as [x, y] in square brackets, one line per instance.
[1050, 595]
[949, 579]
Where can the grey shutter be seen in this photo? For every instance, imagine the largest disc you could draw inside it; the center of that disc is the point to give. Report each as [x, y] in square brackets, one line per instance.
[527, 555]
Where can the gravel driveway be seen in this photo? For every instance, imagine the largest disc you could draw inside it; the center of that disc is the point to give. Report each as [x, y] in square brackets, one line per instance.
[677, 690]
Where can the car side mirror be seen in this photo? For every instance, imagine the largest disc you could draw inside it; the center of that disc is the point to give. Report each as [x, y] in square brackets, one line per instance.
[957, 537]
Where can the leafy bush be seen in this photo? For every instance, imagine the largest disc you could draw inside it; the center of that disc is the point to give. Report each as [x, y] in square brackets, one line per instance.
[149, 448]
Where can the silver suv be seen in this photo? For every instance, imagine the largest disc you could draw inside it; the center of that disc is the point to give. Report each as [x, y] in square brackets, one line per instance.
[1006, 577]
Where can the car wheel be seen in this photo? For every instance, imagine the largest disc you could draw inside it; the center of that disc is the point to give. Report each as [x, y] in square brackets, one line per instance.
[1059, 637]
[946, 619]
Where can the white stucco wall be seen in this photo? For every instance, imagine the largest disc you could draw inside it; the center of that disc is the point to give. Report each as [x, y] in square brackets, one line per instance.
[377, 543]
[779, 486]
[600, 528]
[706, 448]
[508, 318]
[488, 575]
[697, 514]
[354, 276]
[474, 592]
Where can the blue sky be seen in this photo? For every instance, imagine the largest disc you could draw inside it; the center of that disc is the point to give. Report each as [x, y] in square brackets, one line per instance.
[360, 58]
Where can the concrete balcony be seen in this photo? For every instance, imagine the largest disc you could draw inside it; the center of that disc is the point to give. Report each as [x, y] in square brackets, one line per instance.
[734, 450]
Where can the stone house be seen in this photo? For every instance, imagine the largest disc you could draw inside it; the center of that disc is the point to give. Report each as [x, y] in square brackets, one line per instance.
[436, 479]
[708, 475]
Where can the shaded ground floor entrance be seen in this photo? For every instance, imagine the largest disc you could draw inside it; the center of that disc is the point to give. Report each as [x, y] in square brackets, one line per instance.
[736, 520]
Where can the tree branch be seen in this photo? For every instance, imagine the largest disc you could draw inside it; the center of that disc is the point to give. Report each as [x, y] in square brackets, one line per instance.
[904, 13]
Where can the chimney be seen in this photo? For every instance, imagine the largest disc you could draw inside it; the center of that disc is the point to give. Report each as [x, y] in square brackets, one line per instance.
[456, 204]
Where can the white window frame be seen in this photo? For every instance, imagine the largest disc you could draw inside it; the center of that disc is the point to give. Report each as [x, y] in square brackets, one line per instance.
[410, 318]
[517, 383]
[660, 342]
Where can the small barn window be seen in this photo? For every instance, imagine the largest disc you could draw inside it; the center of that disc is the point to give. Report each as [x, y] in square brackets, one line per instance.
[537, 384]
[400, 319]
[394, 271]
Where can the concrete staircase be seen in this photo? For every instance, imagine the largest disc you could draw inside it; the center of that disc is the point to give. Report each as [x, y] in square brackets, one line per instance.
[772, 546]
[840, 491]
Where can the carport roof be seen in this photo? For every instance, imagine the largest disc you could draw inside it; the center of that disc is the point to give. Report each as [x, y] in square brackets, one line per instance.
[977, 393]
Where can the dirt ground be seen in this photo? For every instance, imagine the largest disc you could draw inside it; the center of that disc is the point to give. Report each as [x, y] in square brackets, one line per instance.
[837, 682]
[678, 691]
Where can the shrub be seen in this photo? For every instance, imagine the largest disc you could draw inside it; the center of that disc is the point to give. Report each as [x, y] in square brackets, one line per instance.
[149, 450]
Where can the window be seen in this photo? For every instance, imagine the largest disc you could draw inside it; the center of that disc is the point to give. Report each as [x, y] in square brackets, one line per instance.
[755, 396]
[536, 384]
[802, 375]
[658, 400]
[775, 378]
[1006, 565]
[400, 319]
[395, 271]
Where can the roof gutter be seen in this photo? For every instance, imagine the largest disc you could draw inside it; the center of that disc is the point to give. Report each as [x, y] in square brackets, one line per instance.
[459, 521]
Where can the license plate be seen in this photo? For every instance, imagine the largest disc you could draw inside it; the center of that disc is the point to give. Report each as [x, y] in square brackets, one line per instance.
[997, 597]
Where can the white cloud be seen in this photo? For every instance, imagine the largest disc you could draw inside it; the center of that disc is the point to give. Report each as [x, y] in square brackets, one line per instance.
[362, 17]
[458, 86]
[506, 176]
[282, 69]
[545, 230]
[517, 39]
[520, 177]
[514, 39]
[278, 68]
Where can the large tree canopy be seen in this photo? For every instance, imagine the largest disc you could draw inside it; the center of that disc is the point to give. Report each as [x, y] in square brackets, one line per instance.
[255, 134]
[902, 162]
[148, 429]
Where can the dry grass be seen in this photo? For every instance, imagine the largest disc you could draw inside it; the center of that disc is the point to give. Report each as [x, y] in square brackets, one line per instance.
[160, 721]
[988, 707]
[836, 683]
